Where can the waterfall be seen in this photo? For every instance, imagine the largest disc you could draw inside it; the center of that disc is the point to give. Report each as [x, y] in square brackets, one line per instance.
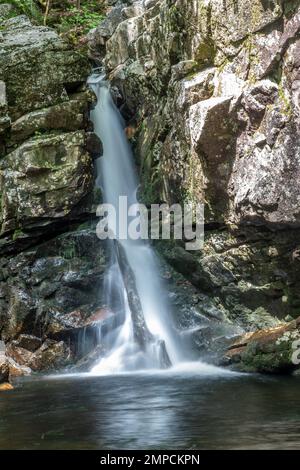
[143, 336]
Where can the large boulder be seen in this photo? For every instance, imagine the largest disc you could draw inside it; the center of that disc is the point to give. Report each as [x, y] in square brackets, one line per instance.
[263, 182]
[253, 16]
[275, 350]
[45, 179]
[4, 370]
[46, 171]
[51, 355]
[38, 67]
[40, 289]
[68, 116]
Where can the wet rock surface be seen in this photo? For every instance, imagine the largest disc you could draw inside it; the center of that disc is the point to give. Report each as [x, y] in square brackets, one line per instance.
[51, 269]
[203, 327]
[234, 90]
[211, 89]
[141, 333]
[4, 368]
[51, 299]
[46, 171]
[252, 276]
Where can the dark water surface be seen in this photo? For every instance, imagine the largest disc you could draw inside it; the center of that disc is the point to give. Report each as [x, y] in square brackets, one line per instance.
[152, 411]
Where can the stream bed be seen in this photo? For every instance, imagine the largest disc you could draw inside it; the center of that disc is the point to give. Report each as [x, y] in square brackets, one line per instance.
[173, 410]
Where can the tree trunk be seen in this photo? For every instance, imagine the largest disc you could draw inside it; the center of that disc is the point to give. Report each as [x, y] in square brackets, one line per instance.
[47, 11]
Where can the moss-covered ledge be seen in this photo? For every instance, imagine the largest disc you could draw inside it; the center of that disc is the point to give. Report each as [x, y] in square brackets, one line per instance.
[275, 350]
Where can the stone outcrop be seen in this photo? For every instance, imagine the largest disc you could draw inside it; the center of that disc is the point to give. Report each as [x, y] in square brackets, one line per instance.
[229, 72]
[276, 350]
[38, 67]
[6, 369]
[52, 264]
[212, 91]
[44, 180]
[52, 355]
[46, 172]
[50, 298]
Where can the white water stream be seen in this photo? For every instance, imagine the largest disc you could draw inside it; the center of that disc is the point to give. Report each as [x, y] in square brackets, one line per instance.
[116, 176]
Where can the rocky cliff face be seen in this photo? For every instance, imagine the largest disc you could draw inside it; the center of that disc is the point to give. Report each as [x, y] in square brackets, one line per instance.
[51, 267]
[228, 72]
[212, 91]
[51, 262]
[46, 171]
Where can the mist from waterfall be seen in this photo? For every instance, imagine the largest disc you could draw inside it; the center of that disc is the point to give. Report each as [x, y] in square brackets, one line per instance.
[116, 176]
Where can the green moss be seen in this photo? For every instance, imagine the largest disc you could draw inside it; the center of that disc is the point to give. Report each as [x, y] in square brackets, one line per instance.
[256, 14]
[275, 360]
[70, 22]
[222, 66]
[286, 107]
[290, 7]
[194, 71]
[152, 174]
[17, 234]
[176, 19]
[206, 52]
[84, 226]
[152, 183]
[188, 193]
[97, 195]
[251, 51]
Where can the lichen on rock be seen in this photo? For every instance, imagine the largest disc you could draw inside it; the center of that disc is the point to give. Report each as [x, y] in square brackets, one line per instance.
[48, 263]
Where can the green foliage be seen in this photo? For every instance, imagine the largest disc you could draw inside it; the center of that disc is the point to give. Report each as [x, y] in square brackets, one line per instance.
[72, 23]
[27, 7]
[286, 107]
[86, 18]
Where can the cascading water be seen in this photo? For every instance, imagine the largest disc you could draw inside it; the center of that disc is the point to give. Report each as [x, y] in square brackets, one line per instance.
[144, 338]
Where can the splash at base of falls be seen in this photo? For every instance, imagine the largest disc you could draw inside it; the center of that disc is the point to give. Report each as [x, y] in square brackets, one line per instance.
[182, 369]
[126, 353]
[144, 337]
